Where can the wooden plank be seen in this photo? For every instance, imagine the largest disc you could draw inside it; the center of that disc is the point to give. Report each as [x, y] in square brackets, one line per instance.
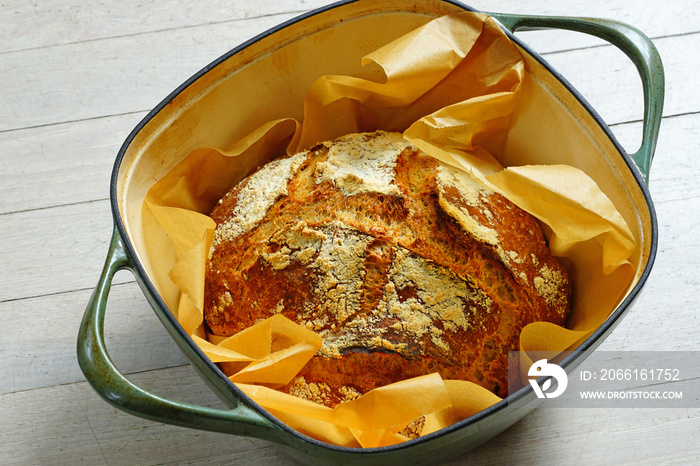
[665, 315]
[54, 22]
[50, 251]
[646, 15]
[32, 362]
[71, 162]
[73, 88]
[113, 76]
[594, 436]
[64, 240]
[45, 355]
[58, 266]
[609, 81]
[101, 78]
[49, 166]
[48, 23]
[674, 18]
[36, 362]
[69, 423]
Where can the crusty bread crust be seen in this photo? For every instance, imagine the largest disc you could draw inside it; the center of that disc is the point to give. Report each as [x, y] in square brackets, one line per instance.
[404, 266]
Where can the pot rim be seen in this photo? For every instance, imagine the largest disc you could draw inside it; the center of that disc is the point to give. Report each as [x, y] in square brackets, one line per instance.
[525, 393]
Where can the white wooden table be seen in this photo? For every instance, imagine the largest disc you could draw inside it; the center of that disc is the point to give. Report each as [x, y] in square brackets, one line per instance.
[76, 77]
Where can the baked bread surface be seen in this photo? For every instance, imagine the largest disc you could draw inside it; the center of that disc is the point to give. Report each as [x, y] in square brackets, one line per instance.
[404, 266]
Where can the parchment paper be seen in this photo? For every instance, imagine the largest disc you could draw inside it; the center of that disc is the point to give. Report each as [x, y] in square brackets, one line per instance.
[450, 87]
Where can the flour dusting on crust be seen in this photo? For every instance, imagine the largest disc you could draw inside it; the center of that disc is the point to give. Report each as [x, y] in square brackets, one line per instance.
[257, 196]
[401, 264]
[359, 165]
[472, 194]
[440, 297]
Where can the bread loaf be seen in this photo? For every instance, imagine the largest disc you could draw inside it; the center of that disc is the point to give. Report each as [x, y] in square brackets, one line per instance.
[403, 265]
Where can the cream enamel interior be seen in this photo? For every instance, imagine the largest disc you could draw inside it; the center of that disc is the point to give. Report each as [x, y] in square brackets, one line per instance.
[268, 79]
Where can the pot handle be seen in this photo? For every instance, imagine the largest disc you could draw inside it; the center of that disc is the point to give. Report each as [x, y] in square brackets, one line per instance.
[116, 389]
[638, 48]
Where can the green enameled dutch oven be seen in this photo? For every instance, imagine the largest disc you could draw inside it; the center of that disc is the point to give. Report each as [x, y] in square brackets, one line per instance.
[168, 133]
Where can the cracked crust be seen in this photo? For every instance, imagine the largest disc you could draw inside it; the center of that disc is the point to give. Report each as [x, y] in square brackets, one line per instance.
[405, 267]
